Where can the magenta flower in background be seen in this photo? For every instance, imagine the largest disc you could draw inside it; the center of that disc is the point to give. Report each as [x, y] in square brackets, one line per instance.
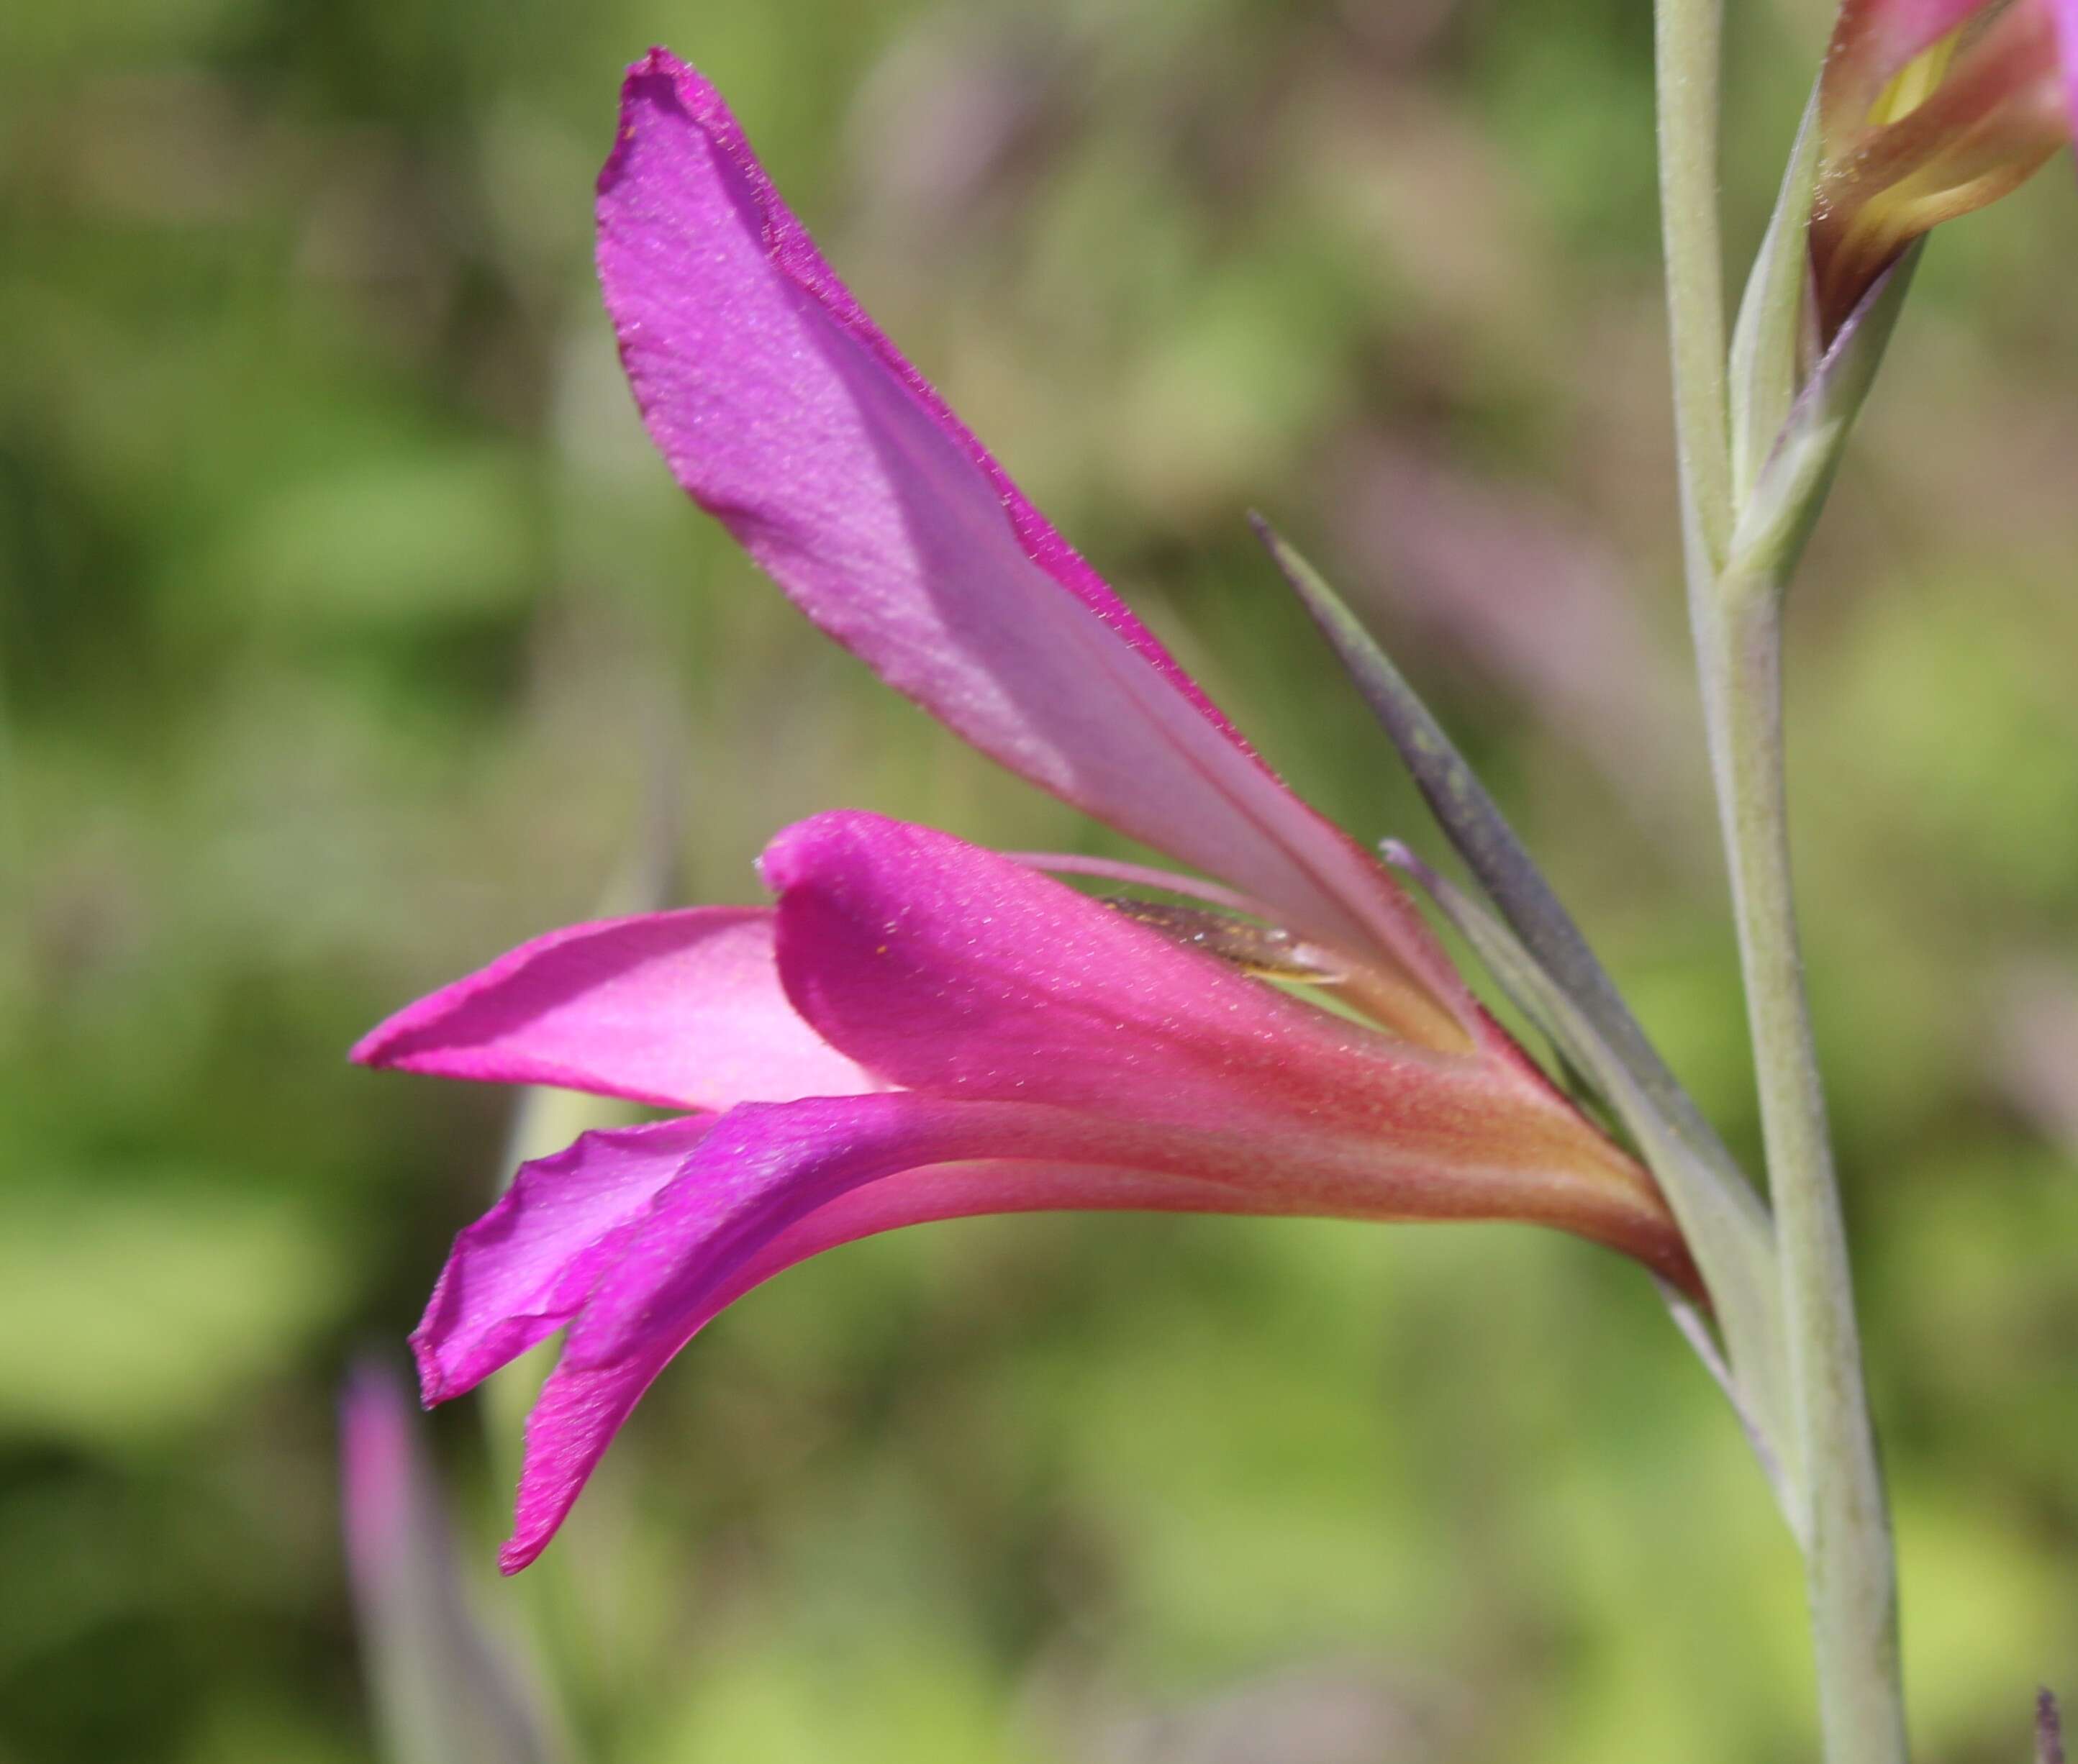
[920, 1029]
[1928, 109]
[444, 1687]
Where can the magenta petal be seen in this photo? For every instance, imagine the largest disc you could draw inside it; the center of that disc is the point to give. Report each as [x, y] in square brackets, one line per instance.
[681, 1009]
[2065, 14]
[446, 1687]
[786, 413]
[959, 971]
[1104, 1090]
[521, 1272]
[569, 1428]
[710, 1233]
[582, 1407]
[765, 1166]
[950, 967]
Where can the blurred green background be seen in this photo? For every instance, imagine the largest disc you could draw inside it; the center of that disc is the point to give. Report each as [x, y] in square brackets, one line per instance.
[348, 625]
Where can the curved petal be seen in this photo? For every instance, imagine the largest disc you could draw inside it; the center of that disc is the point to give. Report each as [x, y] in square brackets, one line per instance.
[681, 1009]
[582, 1407]
[523, 1269]
[770, 1185]
[952, 969]
[785, 412]
[715, 1229]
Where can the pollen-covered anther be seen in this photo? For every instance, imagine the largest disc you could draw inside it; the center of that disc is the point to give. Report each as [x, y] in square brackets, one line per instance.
[1268, 952]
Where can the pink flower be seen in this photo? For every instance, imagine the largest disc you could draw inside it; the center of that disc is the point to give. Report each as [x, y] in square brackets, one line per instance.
[920, 1029]
[1929, 109]
[444, 1688]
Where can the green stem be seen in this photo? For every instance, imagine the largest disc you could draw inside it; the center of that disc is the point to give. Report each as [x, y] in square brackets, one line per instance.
[1687, 59]
[1848, 1557]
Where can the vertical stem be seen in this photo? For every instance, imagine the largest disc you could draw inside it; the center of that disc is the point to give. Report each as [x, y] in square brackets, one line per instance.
[1848, 1560]
[1687, 57]
[1848, 1557]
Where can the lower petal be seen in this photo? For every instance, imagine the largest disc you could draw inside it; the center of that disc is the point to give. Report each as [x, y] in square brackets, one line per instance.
[768, 1185]
[523, 1270]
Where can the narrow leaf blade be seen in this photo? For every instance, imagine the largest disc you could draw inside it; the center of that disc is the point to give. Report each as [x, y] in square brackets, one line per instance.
[1743, 1294]
[1721, 1214]
[1790, 489]
[1769, 343]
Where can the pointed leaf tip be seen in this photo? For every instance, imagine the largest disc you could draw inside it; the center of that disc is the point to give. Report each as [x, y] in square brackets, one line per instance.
[1540, 953]
[1790, 483]
[1773, 338]
[1729, 1241]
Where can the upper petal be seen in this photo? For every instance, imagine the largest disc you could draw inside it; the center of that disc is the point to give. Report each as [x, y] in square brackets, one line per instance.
[786, 413]
[950, 968]
[681, 1009]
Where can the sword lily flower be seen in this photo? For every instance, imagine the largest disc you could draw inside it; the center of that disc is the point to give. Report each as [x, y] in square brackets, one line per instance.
[1929, 109]
[920, 1029]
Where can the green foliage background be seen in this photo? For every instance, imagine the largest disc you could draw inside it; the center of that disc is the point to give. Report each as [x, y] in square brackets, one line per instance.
[347, 628]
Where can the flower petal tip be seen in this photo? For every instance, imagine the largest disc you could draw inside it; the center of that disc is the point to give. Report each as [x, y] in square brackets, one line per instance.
[514, 1555]
[372, 1048]
[796, 854]
[434, 1387]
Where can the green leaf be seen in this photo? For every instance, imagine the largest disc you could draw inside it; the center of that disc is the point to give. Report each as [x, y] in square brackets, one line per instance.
[1771, 342]
[1790, 489]
[1680, 1165]
[1542, 959]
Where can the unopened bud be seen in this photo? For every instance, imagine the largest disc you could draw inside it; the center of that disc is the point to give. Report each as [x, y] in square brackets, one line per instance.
[1928, 109]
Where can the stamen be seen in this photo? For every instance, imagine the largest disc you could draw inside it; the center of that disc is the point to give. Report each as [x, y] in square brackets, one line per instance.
[1916, 82]
[1141, 876]
[1268, 952]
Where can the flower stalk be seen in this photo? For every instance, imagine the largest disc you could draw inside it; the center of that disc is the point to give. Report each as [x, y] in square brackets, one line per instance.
[1735, 593]
[1687, 49]
[1850, 1574]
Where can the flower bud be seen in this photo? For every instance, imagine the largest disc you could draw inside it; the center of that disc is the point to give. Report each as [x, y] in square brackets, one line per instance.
[1928, 109]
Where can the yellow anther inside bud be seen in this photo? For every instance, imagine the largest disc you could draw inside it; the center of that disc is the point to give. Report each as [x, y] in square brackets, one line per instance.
[1915, 82]
[1960, 124]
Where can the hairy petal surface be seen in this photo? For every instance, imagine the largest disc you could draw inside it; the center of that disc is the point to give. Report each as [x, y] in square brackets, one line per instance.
[785, 412]
[683, 1009]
